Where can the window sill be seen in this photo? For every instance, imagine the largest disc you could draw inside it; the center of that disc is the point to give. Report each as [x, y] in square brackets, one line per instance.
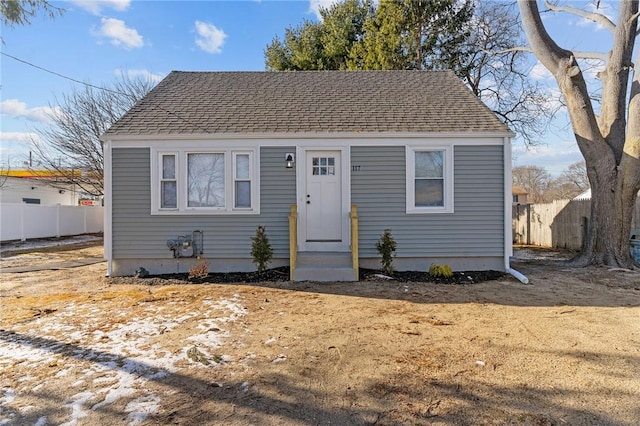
[204, 212]
[430, 210]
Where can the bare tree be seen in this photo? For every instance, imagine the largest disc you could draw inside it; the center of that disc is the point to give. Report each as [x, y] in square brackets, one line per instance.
[609, 139]
[536, 181]
[4, 174]
[71, 147]
[572, 182]
[498, 72]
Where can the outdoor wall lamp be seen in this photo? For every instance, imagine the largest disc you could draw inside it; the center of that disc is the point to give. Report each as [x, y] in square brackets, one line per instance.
[290, 158]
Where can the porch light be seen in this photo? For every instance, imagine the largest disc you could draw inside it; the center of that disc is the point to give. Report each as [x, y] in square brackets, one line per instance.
[290, 158]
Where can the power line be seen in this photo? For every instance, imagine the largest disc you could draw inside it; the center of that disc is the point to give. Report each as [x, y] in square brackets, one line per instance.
[61, 75]
[186, 120]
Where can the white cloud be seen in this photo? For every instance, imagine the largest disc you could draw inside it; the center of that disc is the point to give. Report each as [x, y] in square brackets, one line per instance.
[315, 5]
[96, 6]
[22, 138]
[120, 35]
[146, 74]
[210, 38]
[540, 72]
[18, 109]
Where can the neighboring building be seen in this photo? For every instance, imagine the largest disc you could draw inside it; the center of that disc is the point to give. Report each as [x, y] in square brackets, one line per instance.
[519, 195]
[211, 155]
[36, 187]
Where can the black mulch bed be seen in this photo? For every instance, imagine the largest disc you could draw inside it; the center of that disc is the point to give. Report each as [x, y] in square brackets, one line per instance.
[461, 277]
[282, 274]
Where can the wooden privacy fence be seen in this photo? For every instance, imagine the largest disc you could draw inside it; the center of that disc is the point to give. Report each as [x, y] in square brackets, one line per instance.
[24, 221]
[562, 223]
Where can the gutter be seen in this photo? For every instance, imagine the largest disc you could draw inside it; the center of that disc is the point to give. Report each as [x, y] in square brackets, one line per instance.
[517, 275]
[508, 238]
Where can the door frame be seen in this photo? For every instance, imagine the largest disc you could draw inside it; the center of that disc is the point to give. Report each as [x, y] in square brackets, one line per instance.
[345, 206]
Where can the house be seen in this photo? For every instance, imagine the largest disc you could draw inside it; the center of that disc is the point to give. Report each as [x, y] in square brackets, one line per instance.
[519, 195]
[36, 187]
[325, 160]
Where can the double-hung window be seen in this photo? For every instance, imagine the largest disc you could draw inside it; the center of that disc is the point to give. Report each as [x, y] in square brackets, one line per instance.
[168, 182]
[205, 182]
[242, 180]
[429, 180]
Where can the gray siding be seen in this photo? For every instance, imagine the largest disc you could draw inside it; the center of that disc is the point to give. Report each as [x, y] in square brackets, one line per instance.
[475, 229]
[138, 234]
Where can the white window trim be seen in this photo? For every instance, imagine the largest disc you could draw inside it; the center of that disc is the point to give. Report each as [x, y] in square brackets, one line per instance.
[447, 175]
[181, 175]
[176, 171]
[250, 179]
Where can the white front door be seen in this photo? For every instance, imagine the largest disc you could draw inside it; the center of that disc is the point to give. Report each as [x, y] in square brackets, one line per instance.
[323, 199]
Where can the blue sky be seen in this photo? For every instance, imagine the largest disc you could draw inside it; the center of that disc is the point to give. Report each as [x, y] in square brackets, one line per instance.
[95, 40]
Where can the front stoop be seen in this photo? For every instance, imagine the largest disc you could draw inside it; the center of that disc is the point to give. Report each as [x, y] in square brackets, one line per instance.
[324, 266]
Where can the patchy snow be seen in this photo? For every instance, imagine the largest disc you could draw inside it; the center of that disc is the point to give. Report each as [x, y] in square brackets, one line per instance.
[108, 361]
[535, 253]
[78, 410]
[8, 247]
[140, 408]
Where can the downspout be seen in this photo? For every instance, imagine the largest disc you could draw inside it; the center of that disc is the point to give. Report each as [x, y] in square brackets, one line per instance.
[107, 198]
[508, 237]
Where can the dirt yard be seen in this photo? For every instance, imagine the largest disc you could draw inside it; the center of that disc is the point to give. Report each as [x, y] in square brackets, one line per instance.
[81, 349]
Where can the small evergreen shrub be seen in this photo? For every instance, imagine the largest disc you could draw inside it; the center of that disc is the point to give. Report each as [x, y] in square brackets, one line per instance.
[386, 247]
[261, 251]
[199, 271]
[436, 270]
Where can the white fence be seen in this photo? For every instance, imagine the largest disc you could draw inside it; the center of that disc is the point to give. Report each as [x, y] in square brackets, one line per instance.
[24, 221]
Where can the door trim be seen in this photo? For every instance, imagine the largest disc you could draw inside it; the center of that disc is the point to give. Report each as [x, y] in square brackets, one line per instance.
[345, 182]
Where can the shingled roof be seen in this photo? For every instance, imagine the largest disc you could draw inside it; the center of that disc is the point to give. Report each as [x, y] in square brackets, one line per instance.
[308, 102]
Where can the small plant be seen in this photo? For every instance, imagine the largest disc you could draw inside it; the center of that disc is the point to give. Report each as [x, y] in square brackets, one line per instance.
[386, 247]
[199, 271]
[261, 251]
[436, 270]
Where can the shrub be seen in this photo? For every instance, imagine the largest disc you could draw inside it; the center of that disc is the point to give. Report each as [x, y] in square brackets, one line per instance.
[386, 247]
[436, 270]
[261, 251]
[199, 271]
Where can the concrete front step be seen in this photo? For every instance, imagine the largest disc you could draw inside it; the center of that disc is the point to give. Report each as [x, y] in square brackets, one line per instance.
[324, 266]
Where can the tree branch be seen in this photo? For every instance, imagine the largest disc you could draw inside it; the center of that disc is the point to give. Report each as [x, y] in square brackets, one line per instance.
[600, 56]
[512, 49]
[591, 16]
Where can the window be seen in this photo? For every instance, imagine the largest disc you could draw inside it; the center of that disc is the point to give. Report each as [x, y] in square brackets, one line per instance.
[168, 183]
[242, 179]
[31, 200]
[221, 181]
[205, 180]
[429, 180]
[323, 165]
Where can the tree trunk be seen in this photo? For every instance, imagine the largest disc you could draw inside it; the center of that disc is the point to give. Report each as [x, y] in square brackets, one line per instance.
[609, 228]
[609, 143]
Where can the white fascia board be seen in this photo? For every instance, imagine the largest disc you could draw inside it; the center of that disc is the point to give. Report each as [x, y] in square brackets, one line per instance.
[309, 139]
